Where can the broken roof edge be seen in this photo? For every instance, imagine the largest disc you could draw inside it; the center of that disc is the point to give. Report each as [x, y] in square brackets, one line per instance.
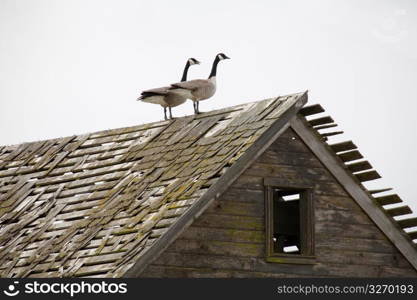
[218, 188]
[388, 226]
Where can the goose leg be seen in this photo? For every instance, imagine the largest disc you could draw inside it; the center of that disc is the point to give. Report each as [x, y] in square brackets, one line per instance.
[195, 109]
[170, 113]
[198, 106]
[165, 113]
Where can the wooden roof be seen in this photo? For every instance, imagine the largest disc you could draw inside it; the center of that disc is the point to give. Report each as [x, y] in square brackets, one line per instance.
[100, 204]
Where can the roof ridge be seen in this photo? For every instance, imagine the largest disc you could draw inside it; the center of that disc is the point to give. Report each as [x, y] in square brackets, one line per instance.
[153, 124]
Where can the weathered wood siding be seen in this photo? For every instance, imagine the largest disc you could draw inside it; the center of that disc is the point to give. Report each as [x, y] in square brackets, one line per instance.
[228, 240]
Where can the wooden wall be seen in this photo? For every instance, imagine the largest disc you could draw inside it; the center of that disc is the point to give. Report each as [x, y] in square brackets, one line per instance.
[228, 239]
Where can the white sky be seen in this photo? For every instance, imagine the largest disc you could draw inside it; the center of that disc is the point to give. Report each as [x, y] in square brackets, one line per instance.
[71, 67]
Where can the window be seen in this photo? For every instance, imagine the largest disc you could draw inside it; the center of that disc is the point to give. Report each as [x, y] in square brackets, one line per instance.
[289, 223]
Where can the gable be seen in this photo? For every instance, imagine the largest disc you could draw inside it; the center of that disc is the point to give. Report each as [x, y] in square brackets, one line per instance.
[228, 239]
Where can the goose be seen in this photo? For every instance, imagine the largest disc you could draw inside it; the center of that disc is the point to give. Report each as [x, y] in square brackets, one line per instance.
[166, 97]
[199, 89]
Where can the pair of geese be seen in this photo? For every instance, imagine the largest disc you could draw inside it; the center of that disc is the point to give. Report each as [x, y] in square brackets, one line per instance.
[177, 93]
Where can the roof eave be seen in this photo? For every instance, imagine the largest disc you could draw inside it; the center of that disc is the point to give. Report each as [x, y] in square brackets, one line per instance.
[362, 197]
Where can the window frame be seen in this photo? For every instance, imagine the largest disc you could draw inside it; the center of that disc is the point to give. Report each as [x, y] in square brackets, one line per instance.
[307, 228]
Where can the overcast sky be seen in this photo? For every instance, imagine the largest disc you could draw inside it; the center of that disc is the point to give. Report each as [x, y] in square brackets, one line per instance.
[72, 67]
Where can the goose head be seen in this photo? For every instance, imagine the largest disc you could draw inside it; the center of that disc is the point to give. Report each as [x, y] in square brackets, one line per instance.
[222, 56]
[219, 57]
[193, 61]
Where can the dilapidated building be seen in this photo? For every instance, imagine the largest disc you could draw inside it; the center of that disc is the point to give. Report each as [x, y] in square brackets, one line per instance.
[254, 190]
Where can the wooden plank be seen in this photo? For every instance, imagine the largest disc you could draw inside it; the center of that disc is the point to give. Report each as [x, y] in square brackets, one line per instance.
[207, 247]
[99, 150]
[86, 177]
[358, 231]
[93, 244]
[288, 110]
[326, 134]
[341, 216]
[321, 187]
[388, 199]
[348, 257]
[289, 172]
[359, 166]
[351, 155]
[311, 110]
[325, 126]
[242, 195]
[359, 195]
[289, 158]
[230, 222]
[407, 223]
[321, 121]
[235, 208]
[379, 190]
[285, 144]
[399, 211]
[93, 142]
[221, 262]
[336, 202]
[118, 131]
[367, 176]
[343, 146]
[341, 243]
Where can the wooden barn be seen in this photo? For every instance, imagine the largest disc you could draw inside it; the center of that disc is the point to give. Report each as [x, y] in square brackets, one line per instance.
[254, 190]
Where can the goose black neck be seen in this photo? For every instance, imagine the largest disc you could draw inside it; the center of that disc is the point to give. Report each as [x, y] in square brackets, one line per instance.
[184, 74]
[214, 67]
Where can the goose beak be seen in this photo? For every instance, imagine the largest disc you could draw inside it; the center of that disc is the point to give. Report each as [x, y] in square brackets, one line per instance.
[226, 57]
[197, 62]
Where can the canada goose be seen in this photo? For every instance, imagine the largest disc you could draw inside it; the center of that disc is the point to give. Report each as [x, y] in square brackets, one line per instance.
[166, 97]
[199, 89]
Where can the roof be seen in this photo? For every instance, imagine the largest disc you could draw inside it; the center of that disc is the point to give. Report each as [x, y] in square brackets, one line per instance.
[102, 204]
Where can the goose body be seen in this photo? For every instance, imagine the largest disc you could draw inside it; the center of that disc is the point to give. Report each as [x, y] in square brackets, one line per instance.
[199, 89]
[165, 96]
[162, 96]
[196, 90]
